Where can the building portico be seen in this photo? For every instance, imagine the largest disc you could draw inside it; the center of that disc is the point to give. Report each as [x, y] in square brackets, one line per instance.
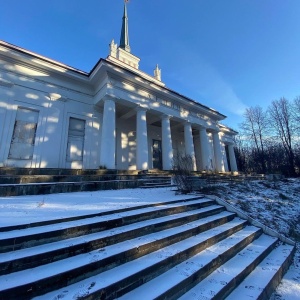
[140, 138]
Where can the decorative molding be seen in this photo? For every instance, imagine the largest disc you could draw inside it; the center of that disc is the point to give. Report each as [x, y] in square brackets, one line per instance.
[113, 49]
[111, 83]
[6, 83]
[157, 73]
[57, 97]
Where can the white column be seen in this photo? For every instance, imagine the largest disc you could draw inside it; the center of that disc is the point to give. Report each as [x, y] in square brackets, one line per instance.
[141, 140]
[108, 139]
[218, 153]
[189, 143]
[225, 160]
[167, 149]
[204, 146]
[232, 158]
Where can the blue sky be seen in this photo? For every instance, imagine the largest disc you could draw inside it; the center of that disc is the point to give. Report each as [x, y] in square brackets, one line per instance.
[226, 54]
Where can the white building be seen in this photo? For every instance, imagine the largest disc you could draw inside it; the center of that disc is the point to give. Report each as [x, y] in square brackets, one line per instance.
[115, 116]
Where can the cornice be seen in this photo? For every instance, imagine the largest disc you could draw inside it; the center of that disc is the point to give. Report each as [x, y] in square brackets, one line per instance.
[64, 72]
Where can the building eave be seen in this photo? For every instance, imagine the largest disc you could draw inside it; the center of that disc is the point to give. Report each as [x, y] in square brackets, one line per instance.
[152, 82]
[49, 62]
[64, 70]
[227, 129]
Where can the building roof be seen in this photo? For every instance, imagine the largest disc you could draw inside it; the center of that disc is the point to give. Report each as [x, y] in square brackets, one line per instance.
[32, 55]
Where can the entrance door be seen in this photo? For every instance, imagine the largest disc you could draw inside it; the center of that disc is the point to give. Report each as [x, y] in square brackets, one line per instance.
[156, 149]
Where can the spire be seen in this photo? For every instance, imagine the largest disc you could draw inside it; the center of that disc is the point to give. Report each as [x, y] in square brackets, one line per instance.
[124, 40]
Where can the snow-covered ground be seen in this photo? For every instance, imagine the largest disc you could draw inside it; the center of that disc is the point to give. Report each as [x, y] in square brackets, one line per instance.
[276, 204]
[29, 209]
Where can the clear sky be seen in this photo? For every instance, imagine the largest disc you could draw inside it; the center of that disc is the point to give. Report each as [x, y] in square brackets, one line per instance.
[226, 54]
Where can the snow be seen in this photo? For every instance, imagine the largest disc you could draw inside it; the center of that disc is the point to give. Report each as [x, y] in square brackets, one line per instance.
[227, 273]
[275, 204]
[253, 285]
[88, 221]
[189, 270]
[28, 209]
[47, 248]
[119, 273]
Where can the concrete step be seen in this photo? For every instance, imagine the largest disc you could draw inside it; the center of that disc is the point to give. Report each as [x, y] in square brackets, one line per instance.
[73, 269]
[262, 281]
[58, 171]
[43, 254]
[16, 182]
[28, 237]
[27, 179]
[7, 190]
[179, 279]
[224, 279]
[104, 213]
[158, 186]
[190, 248]
[137, 274]
[157, 182]
[142, 258]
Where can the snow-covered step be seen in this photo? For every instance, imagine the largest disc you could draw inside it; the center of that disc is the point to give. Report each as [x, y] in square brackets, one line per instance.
[117, 281]
[183, 276]
[42, 254]
[29, 237]
[225, 278]
[261, 283]
[156, 186]
[62, 273]
[102, 213]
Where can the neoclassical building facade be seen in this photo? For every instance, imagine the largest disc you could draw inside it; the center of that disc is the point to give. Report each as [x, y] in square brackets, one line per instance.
[115, 116]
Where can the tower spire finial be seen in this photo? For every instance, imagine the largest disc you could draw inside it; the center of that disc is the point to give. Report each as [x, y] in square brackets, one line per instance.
[124, 40]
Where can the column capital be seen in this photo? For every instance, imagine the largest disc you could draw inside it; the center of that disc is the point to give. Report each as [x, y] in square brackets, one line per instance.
[109, 98]
[140, 108]
[166, 117]
[187, 123]
[215, 131]
[202, 128]
[229, 143]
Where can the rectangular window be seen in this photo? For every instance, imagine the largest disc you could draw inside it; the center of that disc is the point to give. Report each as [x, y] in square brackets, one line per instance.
[75, 139]
[22, 143]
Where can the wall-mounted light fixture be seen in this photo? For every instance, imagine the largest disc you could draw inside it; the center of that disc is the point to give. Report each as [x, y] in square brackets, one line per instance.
[57, 97]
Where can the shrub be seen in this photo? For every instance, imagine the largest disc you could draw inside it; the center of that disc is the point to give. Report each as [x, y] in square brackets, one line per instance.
[182, 168]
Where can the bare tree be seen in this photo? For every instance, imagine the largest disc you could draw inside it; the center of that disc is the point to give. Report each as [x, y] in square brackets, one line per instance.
[255, 128]
[282, 119]
[296, 111]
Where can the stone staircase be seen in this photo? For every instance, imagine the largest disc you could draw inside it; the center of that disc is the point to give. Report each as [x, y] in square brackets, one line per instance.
[16, 182]
[185, 249]
[157, 182]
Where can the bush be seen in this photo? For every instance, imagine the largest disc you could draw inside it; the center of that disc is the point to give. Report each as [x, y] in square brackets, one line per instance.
[182, 168]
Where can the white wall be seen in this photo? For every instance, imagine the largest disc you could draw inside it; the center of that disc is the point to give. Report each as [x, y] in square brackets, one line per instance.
[53, 118]
[32, 84]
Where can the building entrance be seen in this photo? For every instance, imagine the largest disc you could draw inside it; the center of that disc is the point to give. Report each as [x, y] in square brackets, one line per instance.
[157, 157]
